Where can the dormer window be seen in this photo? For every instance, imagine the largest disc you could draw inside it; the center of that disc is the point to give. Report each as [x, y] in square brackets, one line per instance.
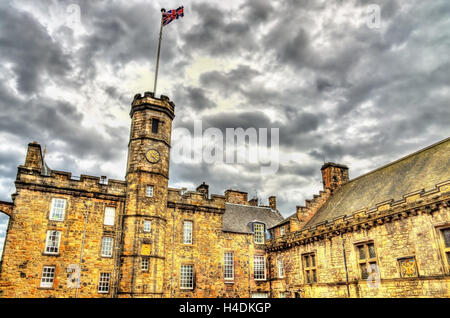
[259, 230]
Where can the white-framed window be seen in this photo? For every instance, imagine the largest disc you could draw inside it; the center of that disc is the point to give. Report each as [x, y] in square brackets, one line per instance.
[260, 295]
[228, 273]
[147, 226]
[52, 242]
[280, 268]
[258, 229]
[187, 277]
[282, 231]
[259, 264]
[107, 246]
[104, 282]
[144, 263]
[282, 295]
[110, 216]
[48, 276]
[187, 232]
[58, 210]
[149, 191]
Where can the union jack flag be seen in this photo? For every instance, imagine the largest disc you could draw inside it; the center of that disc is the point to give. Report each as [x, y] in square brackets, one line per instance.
[171, 15]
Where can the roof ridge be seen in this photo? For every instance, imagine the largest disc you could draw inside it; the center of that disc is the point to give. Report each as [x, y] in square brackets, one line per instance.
[400, 159]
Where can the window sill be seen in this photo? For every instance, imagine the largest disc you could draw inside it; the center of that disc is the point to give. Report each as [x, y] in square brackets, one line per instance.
[231, 282]
[51, 254]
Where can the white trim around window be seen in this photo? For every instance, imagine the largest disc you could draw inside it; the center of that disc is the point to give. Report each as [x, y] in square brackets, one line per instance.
[52, 242]
[58, 209]
[228, 259]
[259, 267]
[110, 216]
[187, 277]
[107, 246]
[187, 232]
[104, 283]
[47, 277]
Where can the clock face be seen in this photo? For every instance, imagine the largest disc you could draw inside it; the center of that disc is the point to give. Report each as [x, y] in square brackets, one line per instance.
[152, 156]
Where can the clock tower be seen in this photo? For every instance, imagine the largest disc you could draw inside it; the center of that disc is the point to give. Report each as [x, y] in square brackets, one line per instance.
[144, 221]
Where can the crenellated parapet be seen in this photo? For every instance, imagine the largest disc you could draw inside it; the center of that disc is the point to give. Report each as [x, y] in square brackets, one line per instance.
[412, 204]
[148, 100]
[195, 200]
[63, 182]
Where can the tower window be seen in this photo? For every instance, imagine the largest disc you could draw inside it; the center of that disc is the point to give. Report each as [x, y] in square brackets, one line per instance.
[147, 226]
[155, 124]
[144, 264]
[149, 191]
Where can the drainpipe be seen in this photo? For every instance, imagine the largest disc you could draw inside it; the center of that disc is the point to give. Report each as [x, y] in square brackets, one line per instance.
[86, 216]
[345, 265]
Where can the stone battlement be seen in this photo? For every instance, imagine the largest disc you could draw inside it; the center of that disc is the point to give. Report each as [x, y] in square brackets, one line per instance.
[195, 198]
[62, 181]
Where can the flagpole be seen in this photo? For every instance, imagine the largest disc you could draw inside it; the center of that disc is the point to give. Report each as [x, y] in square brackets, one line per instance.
[159, 51]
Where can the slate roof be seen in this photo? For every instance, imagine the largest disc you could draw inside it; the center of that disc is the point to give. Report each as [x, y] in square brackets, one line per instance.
[238, 218]
[420, 170]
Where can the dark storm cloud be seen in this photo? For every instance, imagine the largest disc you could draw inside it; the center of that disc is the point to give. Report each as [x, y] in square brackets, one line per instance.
[33, 54]
[122, 33]
[226, 83]
[194, 97]
[45, 119]
[215, 35]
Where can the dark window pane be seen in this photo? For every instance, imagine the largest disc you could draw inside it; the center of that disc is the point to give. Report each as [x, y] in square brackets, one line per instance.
[448, 258]
[364, 273]
[362, 252]
[371, 251]
[308, 277]
[446, 233]
[313, 260]
[155, 123]
[314, 276]
[307, 261]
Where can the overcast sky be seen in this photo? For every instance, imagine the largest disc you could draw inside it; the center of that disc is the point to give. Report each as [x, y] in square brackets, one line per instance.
[336, 88]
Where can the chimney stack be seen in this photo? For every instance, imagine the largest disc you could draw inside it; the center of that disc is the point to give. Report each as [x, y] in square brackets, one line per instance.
[204, 189]
[273, 202]
[34, 159]
[253, 202]
[334, 175]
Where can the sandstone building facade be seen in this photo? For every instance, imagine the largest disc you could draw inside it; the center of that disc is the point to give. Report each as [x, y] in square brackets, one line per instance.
[383, 234]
